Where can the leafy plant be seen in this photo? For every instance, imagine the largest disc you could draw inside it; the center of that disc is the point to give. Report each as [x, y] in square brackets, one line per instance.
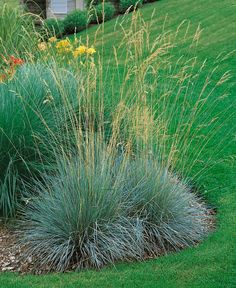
[129, 5]
[54, 27]
[75, 21]
[90, 3]
[102, 12]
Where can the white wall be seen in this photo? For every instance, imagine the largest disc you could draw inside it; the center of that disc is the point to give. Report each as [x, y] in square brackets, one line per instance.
[63, 7]
[80, 4]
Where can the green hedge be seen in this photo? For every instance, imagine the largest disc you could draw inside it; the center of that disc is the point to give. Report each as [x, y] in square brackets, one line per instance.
[129, 4]
[75, 21]
[54, 27]
[102, 12]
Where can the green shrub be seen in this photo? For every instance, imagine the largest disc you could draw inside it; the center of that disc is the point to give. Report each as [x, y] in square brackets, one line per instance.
[54, 27]
[91, 3]
[101, 205]
[102, 12]
[32, 110]
[75, 21]
[129, 5]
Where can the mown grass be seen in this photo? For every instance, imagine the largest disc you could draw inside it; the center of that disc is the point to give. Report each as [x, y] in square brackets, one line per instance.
[211, 264]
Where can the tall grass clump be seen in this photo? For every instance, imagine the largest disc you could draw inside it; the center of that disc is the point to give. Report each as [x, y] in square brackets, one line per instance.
[126, 188]
[17, 34]
[102, 205]
[32, 110]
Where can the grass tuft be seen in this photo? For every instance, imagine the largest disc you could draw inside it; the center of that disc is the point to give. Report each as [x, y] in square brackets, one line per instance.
[101, 205]
[32, 111]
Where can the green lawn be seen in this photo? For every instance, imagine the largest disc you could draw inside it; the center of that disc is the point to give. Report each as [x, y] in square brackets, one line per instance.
[212, 263]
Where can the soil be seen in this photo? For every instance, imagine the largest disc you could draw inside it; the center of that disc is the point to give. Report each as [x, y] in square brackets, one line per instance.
[11, 253]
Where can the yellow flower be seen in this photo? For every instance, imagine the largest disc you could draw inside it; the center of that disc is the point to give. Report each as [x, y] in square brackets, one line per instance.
[42, 46]
[79, 51]
[52, 39]
[82, 49]
[75, 53]
[91, 51]
[63, 44]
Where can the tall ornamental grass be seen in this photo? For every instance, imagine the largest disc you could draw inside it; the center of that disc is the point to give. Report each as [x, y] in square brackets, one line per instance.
[33, 109]
[119, 179]
[103, 204]
[17, 34]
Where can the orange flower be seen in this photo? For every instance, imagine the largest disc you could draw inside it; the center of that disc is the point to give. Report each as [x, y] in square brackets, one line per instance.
[16, 61]
[2, 77]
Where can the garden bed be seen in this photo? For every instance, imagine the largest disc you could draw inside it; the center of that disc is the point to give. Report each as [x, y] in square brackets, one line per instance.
[12, 258]
[206, 157]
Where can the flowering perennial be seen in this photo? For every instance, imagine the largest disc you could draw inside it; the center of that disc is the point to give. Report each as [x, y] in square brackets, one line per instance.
[9, 68]
[66, 47]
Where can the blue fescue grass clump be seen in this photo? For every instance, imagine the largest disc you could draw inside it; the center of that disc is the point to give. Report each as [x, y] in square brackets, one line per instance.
[32, 110]
[101, 205]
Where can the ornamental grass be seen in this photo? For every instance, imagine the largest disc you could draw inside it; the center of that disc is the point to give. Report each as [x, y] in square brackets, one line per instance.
[106, 144]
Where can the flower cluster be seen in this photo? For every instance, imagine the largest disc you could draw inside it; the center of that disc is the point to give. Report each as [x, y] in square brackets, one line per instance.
[9, 68]
[15, 61]
[83, 50]
[63, 46]
[65, 49]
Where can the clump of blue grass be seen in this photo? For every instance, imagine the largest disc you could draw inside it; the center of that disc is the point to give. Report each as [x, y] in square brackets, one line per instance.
[101, 205]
